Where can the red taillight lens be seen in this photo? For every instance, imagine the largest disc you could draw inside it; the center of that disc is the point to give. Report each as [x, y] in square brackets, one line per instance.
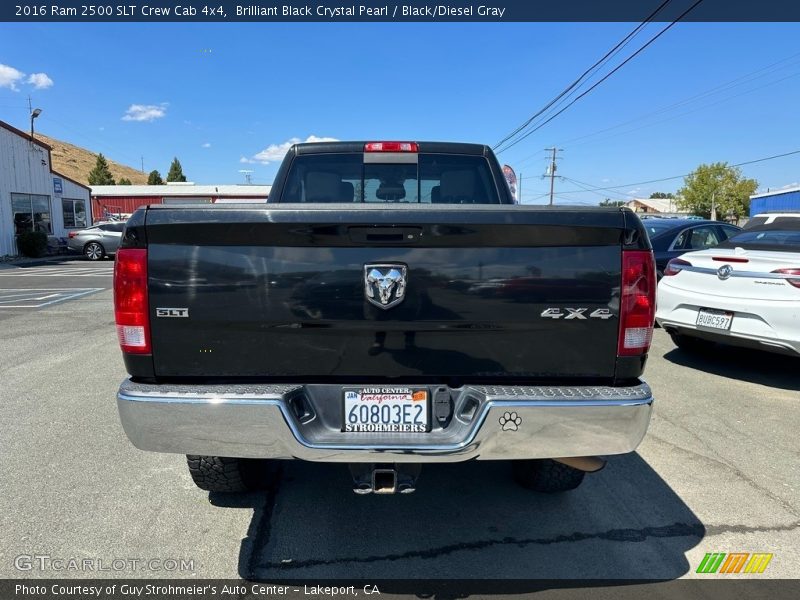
[675, 266]
[72, 234]
[637, 307]
[391, 147]
[130, 300]
[791, 281]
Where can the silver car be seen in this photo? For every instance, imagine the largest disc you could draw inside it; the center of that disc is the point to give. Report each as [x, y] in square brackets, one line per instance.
[97, 241]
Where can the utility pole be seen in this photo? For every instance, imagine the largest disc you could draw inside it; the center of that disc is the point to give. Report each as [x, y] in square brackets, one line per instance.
[713, 206]
[142, 164]
[553, 169]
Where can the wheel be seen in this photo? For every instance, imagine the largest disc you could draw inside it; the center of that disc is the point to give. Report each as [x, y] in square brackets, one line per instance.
[689, 343]
[94, 251]
[545, 475]
[224, 474]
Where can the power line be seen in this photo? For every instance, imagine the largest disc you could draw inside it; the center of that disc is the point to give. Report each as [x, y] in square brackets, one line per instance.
[588, 189]
[605, 77]
[721, 88]
[607, 56]
[741, 164]
[635, 129]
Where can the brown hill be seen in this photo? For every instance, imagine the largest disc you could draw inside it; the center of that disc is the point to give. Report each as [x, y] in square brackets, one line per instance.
[76, 162]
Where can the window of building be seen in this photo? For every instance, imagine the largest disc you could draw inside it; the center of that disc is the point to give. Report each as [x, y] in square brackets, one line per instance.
[74, 212]
[31, 213]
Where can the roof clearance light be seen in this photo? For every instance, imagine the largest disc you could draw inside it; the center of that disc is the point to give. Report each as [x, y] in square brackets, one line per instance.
[391, 147]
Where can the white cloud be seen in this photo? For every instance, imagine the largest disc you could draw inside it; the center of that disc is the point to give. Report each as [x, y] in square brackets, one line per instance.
[9, 77]
[633, 192]
[246, 161]
[40, 81]
[789, 185]
[276, 152]
[145, 112]
[605, 180]
[206, 145]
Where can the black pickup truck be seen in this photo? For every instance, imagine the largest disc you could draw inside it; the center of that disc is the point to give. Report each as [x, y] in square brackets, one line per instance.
[389, 306]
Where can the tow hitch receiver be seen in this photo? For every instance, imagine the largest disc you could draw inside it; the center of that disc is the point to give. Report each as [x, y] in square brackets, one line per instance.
[384, 478]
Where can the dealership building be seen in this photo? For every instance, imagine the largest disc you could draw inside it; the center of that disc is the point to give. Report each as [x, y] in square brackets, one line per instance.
[787, 199]
[34, 197]
[113, 200]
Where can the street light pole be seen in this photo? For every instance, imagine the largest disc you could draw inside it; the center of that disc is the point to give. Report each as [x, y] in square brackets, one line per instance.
[34, 113]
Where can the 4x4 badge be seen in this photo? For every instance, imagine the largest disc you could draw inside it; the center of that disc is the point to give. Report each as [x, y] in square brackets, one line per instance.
[385, 284]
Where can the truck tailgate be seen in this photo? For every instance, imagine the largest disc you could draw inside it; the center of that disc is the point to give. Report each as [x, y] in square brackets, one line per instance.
[280, 292]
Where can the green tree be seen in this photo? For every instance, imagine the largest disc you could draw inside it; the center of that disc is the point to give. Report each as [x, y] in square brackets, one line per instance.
[101, 174]
[662, 195]
[176, 171]
[154, 178]
[729, 190]
[610, 202]
[124, 181]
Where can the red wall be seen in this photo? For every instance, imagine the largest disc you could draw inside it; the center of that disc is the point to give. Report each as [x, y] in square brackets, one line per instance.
[126, 204]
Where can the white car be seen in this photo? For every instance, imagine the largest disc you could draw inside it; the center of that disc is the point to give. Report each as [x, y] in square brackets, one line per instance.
[744, 292]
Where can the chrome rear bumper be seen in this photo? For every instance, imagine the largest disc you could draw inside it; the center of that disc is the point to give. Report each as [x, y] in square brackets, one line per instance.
[304, 422]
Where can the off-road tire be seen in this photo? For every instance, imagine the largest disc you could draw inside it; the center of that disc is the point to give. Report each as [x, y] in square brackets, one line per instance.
[547, 476]
[225, 474]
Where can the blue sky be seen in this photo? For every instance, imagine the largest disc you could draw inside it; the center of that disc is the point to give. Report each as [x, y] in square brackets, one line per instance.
[224, 97]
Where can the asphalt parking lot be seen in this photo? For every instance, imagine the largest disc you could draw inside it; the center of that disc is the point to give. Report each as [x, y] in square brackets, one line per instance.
[719, 471]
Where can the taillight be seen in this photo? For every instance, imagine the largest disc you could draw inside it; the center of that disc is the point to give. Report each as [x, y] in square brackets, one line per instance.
[130, 300]
[637, 306]
[791, 281]
[72, 234]
[391, 147]
[675, 266]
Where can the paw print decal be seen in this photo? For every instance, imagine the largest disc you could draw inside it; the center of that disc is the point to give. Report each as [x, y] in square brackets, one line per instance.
[510, 421]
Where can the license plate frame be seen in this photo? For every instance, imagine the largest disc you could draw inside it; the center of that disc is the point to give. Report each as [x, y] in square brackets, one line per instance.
[711, 315]
[383, 396]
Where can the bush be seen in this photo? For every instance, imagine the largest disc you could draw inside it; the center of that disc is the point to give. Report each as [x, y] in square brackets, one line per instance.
[32, 243]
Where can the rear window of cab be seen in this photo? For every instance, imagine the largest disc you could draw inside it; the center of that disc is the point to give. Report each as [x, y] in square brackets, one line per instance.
[429, 179]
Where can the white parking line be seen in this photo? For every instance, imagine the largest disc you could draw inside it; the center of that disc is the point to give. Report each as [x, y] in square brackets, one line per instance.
[37, 298]
[57, 272]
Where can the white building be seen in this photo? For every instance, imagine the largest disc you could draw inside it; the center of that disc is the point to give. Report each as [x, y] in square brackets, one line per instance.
[33, 197]
[665, 207]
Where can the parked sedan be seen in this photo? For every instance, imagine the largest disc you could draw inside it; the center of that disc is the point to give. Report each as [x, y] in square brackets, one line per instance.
[97, 241]
[745, 292]
[672, 237]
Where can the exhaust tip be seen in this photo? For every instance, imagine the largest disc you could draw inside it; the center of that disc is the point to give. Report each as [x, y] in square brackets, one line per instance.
[363, 488]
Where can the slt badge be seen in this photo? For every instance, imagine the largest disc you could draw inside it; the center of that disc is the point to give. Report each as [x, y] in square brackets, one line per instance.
[385, 284]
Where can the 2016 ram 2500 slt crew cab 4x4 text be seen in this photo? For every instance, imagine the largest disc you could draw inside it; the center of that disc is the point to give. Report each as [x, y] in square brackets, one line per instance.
[389, 306]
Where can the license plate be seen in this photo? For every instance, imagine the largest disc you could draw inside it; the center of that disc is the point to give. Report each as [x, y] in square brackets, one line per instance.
[714, 319]
[386, 410]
